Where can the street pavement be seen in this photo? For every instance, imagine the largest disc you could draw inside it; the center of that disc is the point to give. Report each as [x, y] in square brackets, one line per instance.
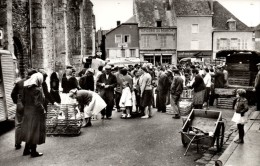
[117, 142]
[249, 152]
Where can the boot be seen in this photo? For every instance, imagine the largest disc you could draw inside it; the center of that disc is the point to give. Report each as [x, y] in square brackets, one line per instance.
[34, 153]
[26, 150]
[88, 122]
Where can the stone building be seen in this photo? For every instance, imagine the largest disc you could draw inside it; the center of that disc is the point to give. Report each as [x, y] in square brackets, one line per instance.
[48, 33]
[229, 33]
[157, 30]
[257, 38]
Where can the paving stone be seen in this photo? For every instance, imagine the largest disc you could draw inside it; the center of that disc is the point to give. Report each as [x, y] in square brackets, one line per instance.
[202, 161]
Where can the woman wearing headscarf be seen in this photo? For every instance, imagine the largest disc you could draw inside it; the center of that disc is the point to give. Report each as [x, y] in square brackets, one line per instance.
[33, 126]
[89, 102]
[87, 81]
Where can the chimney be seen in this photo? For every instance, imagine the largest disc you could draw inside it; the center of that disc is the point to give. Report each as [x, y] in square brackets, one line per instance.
[211, 6]
[118, 23]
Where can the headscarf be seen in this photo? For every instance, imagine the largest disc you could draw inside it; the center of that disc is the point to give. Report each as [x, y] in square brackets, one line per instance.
[35, 79]
[68, 73]
[73, 92]
[90, 70]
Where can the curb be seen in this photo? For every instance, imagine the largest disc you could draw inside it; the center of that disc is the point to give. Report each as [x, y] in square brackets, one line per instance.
[232, 147]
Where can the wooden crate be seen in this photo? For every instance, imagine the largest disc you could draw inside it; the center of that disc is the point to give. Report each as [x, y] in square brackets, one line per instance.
[225, 103]
[225, 91]
[238, 66]
[239, 81]
[187, 94]
[239, 74]
[67, 126]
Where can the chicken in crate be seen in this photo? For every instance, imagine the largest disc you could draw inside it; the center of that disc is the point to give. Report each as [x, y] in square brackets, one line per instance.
[63, 120]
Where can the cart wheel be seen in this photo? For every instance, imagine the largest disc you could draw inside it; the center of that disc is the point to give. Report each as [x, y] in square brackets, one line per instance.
[184, 143]
[220, 136]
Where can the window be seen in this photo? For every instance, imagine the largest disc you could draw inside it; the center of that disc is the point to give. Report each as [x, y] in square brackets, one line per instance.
[158, 23]
[118, 39]
[149, 59]
[145, 40]
[194, 45]
[223, 44]
[123, 53]
[163, 41]
[132, 52]
[195, 28]
[234, 43]
[127, 39]
[244, 44]
[167, 59]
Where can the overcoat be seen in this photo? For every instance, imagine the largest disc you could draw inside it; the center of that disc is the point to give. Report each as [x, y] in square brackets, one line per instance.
[107, 94]
[33, 126]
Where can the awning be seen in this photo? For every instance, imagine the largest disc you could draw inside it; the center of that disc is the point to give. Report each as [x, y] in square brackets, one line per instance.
[126, 61]
[194, 54]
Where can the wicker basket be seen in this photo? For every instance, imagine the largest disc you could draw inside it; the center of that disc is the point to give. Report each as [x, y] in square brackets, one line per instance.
[68, 125]
[185, 107]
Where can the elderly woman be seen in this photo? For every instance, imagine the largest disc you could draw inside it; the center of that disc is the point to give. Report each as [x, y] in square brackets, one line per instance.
[87, 81]
[33, 126]
[89, 102]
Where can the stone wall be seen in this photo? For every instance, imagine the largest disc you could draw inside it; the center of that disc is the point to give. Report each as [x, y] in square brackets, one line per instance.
[21, 33]
[60, 32]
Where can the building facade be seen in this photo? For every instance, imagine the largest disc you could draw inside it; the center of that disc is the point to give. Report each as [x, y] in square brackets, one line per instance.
[194, 29]
[48, 34]
[257, 38]
[229, 33]
[122, 42]
[157, 31]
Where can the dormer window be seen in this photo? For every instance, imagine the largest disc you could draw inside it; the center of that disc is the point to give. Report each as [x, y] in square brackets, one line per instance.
[159, 23]
[231, 23]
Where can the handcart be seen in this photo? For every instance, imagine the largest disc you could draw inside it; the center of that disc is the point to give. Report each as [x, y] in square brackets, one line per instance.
[63, 120]
[203, 127]
[185, 104]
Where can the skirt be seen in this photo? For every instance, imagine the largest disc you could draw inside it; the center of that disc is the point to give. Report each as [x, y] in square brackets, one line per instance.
[96, 105]
[238, 119]
[147, 98]
[198, 97]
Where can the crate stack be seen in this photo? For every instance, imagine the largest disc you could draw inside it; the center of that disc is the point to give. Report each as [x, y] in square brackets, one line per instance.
[62, 120]
[185, 103]
[226, 97]
[239, 74]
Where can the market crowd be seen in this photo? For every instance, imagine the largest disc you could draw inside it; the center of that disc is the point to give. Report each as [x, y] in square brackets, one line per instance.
[127, 89]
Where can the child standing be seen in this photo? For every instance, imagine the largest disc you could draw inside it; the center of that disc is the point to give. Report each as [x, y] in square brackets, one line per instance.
[241, 107]
[125, 102]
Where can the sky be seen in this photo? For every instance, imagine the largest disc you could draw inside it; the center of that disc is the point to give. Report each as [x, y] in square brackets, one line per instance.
[107, 12]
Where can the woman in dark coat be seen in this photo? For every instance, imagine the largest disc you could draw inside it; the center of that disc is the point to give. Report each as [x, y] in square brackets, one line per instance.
[33, 126]
[54, 84]
[72, 80]
[87, 81]
[199, 90]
